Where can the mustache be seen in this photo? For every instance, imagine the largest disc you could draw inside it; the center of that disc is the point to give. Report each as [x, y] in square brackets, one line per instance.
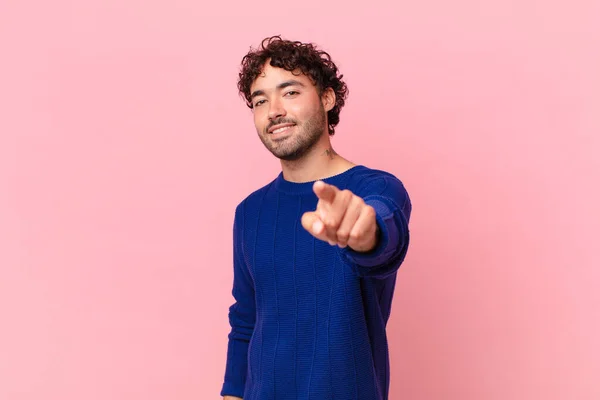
[280, 121]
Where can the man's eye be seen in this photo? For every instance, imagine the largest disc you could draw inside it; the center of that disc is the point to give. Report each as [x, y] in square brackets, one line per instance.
[258, 103]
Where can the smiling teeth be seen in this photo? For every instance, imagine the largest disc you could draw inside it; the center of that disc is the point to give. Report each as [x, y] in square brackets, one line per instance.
[278, 130]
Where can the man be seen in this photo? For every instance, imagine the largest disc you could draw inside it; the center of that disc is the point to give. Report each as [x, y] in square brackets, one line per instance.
[316, 251]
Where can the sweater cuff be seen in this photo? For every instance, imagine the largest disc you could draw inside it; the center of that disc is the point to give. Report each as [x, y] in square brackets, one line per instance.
[232, 389]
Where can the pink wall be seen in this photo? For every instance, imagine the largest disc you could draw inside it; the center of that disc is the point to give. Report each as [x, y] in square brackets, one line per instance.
[119, 121]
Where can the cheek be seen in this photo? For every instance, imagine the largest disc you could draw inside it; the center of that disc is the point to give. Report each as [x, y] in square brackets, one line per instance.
[258, 121]
[302, 112]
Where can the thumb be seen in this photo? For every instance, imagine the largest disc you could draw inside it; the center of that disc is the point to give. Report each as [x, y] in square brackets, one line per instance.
[312, 223]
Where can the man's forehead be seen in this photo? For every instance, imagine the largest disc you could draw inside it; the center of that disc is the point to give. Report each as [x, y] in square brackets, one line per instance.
[270, 76]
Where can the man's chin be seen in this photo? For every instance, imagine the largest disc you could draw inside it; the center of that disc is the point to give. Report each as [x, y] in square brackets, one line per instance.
[287, 155]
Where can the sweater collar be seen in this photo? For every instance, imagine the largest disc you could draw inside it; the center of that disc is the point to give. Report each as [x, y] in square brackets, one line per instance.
[337, 180]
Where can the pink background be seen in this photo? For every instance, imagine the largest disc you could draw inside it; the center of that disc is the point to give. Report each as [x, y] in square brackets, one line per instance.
[120, 121]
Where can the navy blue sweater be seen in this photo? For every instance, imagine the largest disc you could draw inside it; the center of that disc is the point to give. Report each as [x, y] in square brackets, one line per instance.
[309, 319]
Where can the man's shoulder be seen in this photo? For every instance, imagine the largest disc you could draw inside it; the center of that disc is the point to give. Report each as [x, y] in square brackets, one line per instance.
[367, 171]
[369, 175]
[256, 196]
[367, 182]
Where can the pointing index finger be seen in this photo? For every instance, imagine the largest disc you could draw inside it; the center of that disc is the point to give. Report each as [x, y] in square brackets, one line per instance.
[325, 191]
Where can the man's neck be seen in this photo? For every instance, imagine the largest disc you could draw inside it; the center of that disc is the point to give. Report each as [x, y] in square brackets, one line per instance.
[320, 163]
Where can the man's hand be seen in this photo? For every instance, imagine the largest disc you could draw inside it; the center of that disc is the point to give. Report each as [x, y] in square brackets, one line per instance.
[232, 398]
[341, 218]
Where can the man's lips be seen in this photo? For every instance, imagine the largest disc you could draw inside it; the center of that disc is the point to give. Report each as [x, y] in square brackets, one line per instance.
[280, 128]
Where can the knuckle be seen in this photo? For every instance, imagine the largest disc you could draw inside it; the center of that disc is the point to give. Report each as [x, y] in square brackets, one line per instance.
[346, 195]
[358, 201]
[343, 234]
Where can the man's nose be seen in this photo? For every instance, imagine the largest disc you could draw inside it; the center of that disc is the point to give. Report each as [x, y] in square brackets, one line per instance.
[276, 110]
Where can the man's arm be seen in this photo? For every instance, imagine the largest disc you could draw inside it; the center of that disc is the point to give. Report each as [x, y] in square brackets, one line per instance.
[391, 203]
[370, 226]
[242, 315]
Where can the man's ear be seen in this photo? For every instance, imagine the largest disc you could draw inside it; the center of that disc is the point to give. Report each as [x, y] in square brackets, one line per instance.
[328, 99]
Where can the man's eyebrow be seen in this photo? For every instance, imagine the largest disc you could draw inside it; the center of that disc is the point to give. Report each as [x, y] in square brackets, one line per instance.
[291, 82]
[282, 85]
[256, 93]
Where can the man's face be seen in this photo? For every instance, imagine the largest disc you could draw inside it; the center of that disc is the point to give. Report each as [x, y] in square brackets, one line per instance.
[289, 115]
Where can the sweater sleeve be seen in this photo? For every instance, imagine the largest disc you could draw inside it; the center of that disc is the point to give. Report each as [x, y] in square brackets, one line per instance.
[392, 205]
[241, 315]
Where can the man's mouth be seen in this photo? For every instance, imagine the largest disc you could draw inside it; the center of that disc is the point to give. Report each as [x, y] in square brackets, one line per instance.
[280, 128]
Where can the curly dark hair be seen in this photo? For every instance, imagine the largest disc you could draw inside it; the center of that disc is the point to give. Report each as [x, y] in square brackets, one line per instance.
[293, 55]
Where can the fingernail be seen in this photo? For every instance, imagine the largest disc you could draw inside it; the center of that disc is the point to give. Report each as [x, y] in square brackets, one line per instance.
[317, 226]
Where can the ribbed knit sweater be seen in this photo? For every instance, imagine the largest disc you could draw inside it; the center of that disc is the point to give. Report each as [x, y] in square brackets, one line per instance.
[309, 319]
